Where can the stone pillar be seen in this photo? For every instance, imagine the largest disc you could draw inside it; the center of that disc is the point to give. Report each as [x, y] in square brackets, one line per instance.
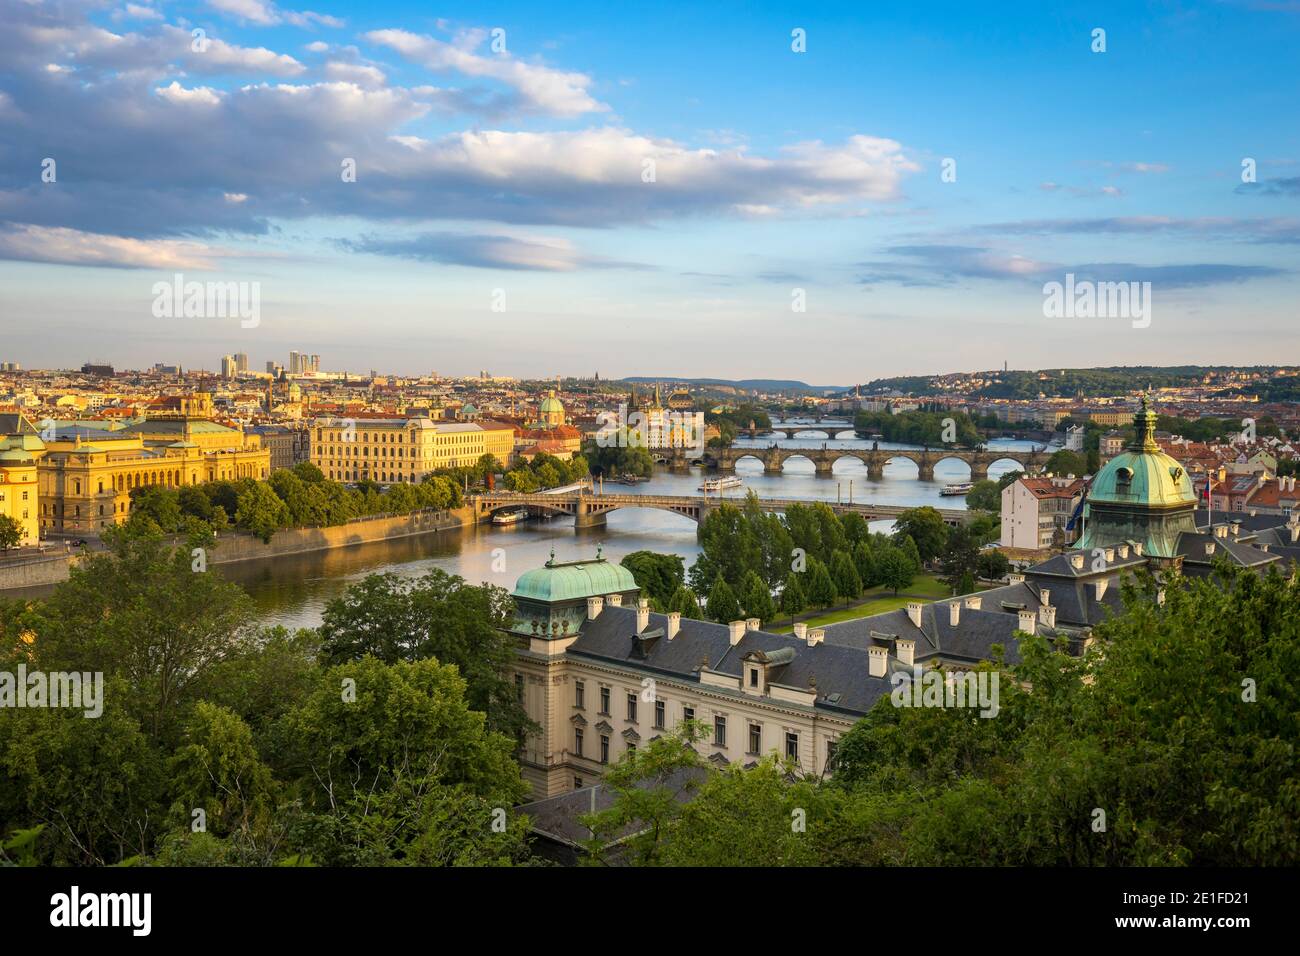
[824, 465]
[979, 470]
[925, 469]
[584, 517]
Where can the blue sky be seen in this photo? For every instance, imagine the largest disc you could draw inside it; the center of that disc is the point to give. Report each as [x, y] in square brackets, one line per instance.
[515, 175]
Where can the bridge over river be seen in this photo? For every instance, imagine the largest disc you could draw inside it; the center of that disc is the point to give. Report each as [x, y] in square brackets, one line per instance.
[824, 458]
[589, 510]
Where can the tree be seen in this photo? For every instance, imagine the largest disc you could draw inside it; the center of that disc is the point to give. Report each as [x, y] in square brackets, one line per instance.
[847, 582]
[821, 587]
[913, 556]
[960, 557]
[992, 565]
[895, 569]
[722, 605]
[437, 616]
[685, 603]
[1066, 462]
[11, 533]
[1008, 478]
[154, 510]
[396, 768]
[260, 511]
[756, 598]
[926, 528]
[864, 560]
[792, 597]
[657, 575]
[985, 496]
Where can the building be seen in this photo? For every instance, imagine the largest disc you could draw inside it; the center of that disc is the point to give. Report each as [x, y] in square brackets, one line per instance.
[228, 367]
[1035, 512]
[388, 450]
[20, 448]
[1110, 444]
[288, 445]
[550, 414]
[87, 472]
[1074, 436]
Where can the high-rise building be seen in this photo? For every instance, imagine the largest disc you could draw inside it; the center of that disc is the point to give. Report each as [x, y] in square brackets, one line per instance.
[241, 362]
[295, 363]
[228, 366]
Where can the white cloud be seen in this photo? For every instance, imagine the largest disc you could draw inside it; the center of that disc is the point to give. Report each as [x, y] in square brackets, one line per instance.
[203, 95]
[268, 14]
[538, 89]
[360, 74]
[74, 247]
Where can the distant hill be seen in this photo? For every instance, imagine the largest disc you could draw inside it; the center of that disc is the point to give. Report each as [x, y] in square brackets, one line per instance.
[749, 384]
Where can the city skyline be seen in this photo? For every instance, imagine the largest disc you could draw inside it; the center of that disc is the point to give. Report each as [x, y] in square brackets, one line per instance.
[510, 169]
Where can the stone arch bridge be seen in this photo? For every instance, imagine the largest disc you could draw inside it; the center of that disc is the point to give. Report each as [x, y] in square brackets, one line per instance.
[589, 510]
[823, 458]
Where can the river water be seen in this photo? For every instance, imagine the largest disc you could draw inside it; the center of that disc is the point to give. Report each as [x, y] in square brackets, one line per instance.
[293, 590]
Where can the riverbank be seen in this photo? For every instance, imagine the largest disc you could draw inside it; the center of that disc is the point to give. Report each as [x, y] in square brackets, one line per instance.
[235, 547]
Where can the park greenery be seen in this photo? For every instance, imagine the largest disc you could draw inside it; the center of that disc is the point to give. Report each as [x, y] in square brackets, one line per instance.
[1179, 725]
[756, 564]
[11, 533]
[932, 428]
[731, 421]
[295, 497]
[545, 471]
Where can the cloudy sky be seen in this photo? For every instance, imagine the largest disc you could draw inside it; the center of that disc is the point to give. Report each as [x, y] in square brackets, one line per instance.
[650, 188]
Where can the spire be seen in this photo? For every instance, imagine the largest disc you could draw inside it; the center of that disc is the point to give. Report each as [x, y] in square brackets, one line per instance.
[1144, 424]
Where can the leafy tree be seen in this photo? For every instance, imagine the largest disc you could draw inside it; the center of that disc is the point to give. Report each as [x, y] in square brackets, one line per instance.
[992, 565]
[260, 511]
[436, 616]
[864, 560]
[855, 528]
[985, 496]
[11, 533]
[913, 556]
[685, 603]
[926, 528]
[793, 600]
[847, 582]
[821, 586]
[895, 570]
[1066, 462]
[155, 510]
[729, 548]
[756, 598]
[960, 557]
[1008, 478]
[658, 575]
[722, 605]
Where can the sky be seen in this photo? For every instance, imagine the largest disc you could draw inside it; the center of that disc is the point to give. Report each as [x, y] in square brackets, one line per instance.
[825, 192]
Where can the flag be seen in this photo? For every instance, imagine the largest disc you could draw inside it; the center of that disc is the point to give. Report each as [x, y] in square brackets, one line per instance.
[1078, 510]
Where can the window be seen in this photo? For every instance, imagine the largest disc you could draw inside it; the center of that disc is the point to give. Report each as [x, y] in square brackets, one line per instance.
[631, 747]
[792, 746]
[631, 707]
[688, 713]
[719, 731]
[519, 687]
[577, 741]
[755, 738]
[660, 710]
[604, 748]
[753, 677]
[579, 694]
[577, 783]
[604, 700]
[830, 754]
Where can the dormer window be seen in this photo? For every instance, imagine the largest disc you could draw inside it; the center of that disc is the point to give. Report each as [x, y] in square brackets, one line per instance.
[753, 677]
[1124, 480]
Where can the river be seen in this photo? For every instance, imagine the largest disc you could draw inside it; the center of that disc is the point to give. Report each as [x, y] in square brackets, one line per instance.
[293, 590]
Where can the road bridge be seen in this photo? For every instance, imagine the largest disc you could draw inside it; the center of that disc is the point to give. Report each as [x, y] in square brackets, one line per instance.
[774, 457]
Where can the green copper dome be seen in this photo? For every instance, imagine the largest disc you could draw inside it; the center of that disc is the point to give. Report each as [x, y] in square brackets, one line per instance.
[551, 404]
[573, 581]
[1141, 495]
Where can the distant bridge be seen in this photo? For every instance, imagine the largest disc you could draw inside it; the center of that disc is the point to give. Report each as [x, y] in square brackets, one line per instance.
[824, 458]
[589, 510]
[790, 429]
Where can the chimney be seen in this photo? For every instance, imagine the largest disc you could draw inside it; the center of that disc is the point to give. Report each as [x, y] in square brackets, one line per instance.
[1045, 596]
[1015, 579]
[1027, 621]
[1236, 528]
[914, 612]
[1137, 548]
[877, 660]
[1209, 548]
[1076, 561]
[752, 623]
[1100, 587]
[594, 606]
[906, 648]
[816, 636]
[1123, 552]
[642, 615]
[801, 631]
[1047, 615]
[614, 600]
[1110, 555]
[674, 623]
[1295, 533]
[1220, 531]
[736, 632]
[973, 602]
[954, 613]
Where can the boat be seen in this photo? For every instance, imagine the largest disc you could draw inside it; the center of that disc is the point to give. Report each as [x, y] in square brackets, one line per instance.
[630, 480]
[721, 484]
[510, 516]
[954, 490]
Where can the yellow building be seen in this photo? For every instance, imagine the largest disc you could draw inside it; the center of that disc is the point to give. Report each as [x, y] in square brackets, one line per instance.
[20, 447]
[87, 473]
[388, 450]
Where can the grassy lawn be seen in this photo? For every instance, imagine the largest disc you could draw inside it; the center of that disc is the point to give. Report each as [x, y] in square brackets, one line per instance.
[878, 601]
